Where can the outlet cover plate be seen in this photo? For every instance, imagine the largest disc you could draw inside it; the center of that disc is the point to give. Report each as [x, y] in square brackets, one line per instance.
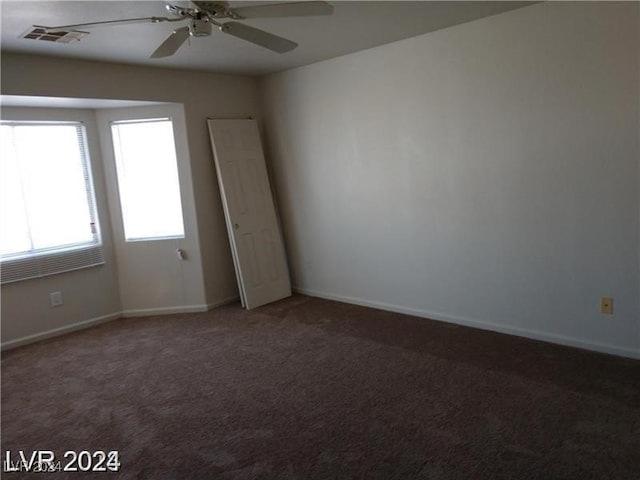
[606, 305]
[55, 298]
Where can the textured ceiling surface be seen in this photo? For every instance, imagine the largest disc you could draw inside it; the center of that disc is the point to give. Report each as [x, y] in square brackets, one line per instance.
[354, 26]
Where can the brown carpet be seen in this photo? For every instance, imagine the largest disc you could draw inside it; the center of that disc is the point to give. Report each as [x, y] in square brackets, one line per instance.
[312, 389]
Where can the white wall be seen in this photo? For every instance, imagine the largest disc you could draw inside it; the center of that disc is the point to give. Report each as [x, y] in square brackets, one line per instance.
[202, 94]
[486, 174]
[90, 295]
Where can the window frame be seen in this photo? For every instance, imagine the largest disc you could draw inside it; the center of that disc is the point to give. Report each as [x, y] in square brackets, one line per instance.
[116, 162]
[41, 262]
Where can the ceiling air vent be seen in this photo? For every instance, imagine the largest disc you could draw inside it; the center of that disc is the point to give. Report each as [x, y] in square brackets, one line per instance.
[59, 36]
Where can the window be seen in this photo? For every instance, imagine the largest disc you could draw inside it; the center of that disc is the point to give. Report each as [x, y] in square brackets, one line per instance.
[148, 183]
[48, 222]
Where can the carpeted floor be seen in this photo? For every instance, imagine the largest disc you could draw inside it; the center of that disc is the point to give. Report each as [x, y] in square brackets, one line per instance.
[312, 389]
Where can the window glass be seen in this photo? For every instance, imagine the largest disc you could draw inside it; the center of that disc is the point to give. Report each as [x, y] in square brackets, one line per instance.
[148, 181]
[46, 194]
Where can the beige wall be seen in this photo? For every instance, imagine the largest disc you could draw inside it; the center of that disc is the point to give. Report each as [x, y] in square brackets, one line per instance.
[90, 295]
[202, 95]
[485, 174]
[151, 277]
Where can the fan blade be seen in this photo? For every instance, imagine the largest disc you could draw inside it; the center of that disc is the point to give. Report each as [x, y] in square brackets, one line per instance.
[172, 43]
[110, 22]
[259, 37]
[296, 9]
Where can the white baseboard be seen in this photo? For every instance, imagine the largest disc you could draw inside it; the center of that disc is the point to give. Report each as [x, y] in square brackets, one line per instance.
[224, 301]
[36, 337]
[521, 332]
[517, 331]
[146, 312]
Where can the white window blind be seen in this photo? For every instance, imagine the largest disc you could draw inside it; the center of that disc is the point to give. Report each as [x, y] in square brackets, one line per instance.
[148, 182]
[48, 221]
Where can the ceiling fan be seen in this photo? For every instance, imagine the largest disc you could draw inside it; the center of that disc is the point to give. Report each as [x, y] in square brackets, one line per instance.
[205, 14]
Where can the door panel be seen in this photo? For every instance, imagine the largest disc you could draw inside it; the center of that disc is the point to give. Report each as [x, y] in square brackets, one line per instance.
[255, 237]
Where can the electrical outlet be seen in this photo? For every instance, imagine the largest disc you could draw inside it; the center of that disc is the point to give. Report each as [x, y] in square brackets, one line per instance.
[606, 305]
[55, 298]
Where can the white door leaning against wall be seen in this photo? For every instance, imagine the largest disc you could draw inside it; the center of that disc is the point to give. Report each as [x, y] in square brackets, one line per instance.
[256, 243]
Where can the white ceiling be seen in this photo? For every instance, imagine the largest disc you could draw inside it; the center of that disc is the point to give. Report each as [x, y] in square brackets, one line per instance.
[355, 25]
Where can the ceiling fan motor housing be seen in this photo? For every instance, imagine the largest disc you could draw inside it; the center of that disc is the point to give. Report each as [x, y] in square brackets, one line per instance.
[217, 9]
[200, 28]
